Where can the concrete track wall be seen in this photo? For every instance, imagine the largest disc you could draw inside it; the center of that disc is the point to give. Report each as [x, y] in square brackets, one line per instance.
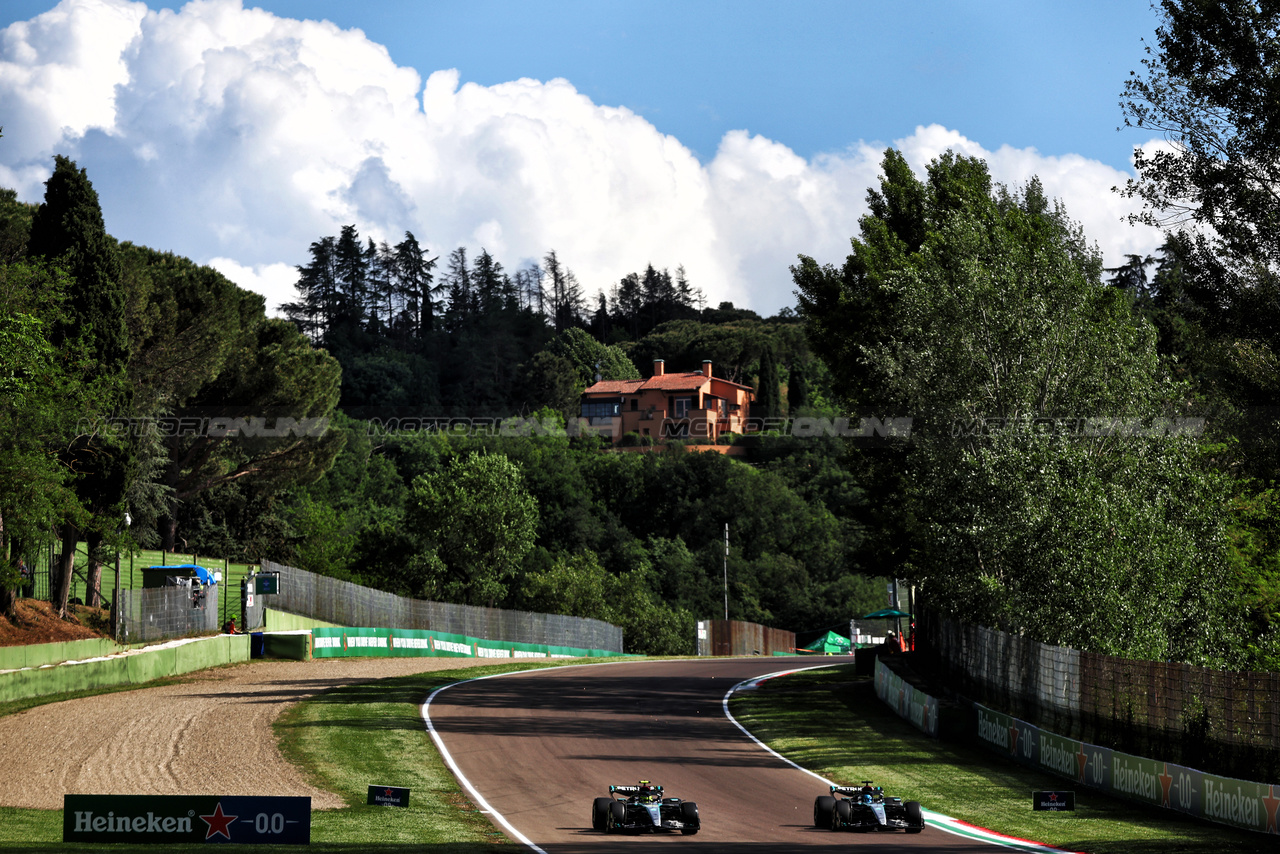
[40, 654]
[283, 621]
[133, 668]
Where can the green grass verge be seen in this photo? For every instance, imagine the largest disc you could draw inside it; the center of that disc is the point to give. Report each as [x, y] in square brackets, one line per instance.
[344, 741]
[832, 723]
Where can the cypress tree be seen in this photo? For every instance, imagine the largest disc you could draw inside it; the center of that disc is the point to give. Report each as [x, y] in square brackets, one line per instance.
[67, 229]
[768, 399]
[797, 389]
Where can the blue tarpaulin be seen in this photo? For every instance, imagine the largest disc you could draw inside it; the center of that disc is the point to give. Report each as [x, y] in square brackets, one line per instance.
[191, 569]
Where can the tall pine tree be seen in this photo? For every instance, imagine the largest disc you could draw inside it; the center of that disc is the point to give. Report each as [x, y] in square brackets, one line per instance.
[68, 231]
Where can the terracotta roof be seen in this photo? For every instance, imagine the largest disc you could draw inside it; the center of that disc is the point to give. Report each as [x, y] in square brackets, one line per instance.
[677, 382]
[684, 381]
[614, 387]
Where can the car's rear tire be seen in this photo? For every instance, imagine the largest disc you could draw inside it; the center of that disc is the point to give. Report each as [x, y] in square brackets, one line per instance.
[600, 813]
[822, 808]
[915, 818]
[842, 815]
[689, 816]
[617, 817]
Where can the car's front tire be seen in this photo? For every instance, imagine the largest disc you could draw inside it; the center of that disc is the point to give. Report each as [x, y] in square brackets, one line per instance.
[915, 818]
[842, 815]
[600, 813]
[689, 816]
[822, 809]
[617, 817]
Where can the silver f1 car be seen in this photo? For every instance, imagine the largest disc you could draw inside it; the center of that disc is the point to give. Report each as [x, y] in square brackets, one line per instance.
[643, 808]
[866, 808]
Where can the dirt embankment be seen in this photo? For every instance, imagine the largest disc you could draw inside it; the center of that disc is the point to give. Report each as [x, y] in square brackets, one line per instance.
[209, 735]
[35, 621]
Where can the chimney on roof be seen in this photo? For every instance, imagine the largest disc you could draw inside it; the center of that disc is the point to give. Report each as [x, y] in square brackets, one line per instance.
[706, 367]
[659, 367]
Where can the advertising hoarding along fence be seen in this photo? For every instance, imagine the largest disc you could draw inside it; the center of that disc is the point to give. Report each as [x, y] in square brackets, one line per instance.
[1239, 803]
[908, 701]
[1224, 721]
[413, 643]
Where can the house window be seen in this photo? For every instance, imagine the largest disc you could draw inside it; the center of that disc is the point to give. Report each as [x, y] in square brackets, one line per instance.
[601, 408]
[635, 404]
[681, 408]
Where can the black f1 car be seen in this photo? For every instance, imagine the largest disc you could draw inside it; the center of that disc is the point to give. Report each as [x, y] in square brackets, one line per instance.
[866, 808]
[643, 808]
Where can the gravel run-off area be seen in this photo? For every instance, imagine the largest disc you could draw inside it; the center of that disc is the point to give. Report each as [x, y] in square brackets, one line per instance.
[211, 733]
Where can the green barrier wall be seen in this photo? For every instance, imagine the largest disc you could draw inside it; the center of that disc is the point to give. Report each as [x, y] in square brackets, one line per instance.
[283, 621]
[371, 642]
[135, 669]
[40, 654]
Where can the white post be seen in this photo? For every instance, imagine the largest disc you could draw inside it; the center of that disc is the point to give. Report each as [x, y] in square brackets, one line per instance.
[726, 571]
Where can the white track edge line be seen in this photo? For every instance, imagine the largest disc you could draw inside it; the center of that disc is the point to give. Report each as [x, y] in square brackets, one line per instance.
[476, 797]
[942, 822]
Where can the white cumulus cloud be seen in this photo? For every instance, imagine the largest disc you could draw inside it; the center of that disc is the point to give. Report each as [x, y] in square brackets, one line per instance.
[237, 138]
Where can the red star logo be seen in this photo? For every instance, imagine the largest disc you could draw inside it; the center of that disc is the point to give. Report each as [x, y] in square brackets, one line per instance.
[1082, 760]
[388, 792]
[1166, 780]
[1053, 796]
[1272, 804]
[218, 823]
[1013, 739]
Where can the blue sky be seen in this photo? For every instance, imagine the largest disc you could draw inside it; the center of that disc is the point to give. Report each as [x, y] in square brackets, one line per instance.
[749, 130]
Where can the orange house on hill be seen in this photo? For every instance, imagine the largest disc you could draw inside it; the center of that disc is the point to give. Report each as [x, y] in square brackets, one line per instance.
[668, 406]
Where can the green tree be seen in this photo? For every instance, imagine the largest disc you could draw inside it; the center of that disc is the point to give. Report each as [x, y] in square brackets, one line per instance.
[263, 419]
[981, 312]
[327, 546]
[39, 385]
[1210, 88]
[177, 308]
[797, 388]
[15, 226]
[768, 402]
[567, 303]
[480, 521]
[590, 358]
[68, 230]
[577, 585]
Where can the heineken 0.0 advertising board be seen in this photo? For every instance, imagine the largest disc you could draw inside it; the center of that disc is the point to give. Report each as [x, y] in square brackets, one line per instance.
[182, 819]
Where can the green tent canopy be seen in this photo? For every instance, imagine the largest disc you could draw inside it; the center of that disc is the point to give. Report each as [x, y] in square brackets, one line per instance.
[831, 643]
[884, 614]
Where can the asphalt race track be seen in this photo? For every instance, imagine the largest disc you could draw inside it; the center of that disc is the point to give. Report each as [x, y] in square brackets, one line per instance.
[540, 746]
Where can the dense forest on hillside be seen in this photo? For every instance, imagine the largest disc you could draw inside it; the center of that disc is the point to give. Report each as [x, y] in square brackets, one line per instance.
[1089, 460]
[161, 356]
